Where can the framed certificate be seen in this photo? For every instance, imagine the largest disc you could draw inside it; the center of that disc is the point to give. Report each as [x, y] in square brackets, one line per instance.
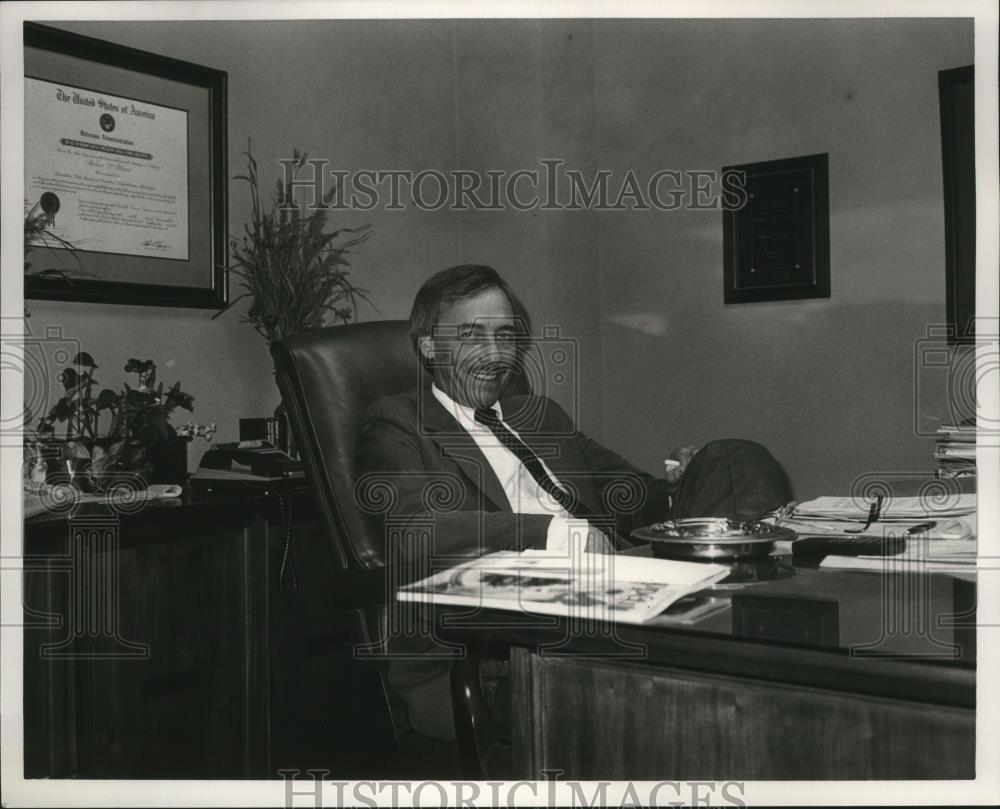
[777, 245]
[125, 155]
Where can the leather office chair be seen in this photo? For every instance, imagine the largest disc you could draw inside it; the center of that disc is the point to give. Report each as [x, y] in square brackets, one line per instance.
[328, 377]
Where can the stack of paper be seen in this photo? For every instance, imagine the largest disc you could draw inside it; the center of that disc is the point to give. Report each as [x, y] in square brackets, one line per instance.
[939, 534]
[953, 518]
[955, 452]
[894, 509]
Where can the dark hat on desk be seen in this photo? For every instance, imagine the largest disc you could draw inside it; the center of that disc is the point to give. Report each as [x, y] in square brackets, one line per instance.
[732, 478]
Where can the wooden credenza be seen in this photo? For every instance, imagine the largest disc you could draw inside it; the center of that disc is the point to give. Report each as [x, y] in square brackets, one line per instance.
[164, 644]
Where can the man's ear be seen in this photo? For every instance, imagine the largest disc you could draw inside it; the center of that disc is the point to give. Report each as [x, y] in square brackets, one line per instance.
[426, 346]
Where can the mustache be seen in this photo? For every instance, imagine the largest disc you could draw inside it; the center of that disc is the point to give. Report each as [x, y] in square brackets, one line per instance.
[494, 367]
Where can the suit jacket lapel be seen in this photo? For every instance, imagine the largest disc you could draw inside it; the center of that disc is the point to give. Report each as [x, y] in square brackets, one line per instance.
[457, 446]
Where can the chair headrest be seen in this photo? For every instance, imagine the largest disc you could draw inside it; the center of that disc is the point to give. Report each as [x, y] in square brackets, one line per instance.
[328, 378]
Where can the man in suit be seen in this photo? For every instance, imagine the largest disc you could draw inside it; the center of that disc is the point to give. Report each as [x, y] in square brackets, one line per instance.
[477, 468]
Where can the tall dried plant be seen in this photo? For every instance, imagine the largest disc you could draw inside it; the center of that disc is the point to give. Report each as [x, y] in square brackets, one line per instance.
[292, 271]
[38, 233]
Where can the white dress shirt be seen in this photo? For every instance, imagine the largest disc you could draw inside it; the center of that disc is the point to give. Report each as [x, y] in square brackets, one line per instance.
[522, 490]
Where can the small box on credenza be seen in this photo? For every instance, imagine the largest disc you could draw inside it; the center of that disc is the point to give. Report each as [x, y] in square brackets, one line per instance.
[257, 429]
[273, 429]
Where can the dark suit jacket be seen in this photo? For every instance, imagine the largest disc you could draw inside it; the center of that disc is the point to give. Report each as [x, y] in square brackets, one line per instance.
[442, 481]
[446, 503]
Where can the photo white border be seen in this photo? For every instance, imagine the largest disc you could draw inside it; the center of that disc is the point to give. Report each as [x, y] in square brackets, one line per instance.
[17, 792]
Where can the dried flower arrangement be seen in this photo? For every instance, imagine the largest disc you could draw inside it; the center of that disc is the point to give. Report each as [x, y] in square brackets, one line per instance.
[38, 233]
[292, 270]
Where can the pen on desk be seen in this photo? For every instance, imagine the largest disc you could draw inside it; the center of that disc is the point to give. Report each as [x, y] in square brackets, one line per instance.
[786, 512]
[781, 513]
[924, 526]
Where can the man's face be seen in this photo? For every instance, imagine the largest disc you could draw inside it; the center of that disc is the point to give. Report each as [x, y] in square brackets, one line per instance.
[472, 348]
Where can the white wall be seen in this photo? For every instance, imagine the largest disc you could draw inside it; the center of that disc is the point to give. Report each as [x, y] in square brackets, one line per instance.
[828, 385]
[382, 95]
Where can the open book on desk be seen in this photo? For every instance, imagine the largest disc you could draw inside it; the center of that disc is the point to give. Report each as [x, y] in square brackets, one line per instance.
[588, 586]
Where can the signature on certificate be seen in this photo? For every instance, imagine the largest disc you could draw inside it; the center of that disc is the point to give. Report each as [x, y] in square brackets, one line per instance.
[154, 244]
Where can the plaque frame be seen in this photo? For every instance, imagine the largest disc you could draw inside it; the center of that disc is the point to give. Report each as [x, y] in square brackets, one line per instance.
[201, 280]
[776, 244]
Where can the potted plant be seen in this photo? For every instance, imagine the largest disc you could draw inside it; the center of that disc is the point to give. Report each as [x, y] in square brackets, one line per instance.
[113, 430]
[293, 270]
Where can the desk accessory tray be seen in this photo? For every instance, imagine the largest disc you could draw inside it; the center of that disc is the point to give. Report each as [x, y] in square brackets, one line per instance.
[712, 538]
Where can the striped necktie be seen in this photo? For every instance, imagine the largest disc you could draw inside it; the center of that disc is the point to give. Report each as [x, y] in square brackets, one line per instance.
[488, 418]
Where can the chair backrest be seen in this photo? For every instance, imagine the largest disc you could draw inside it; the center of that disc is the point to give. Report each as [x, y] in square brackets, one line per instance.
[328, 377]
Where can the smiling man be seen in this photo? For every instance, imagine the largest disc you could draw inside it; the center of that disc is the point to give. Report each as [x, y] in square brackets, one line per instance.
[472, 348]
[477, 463]
[518, 471]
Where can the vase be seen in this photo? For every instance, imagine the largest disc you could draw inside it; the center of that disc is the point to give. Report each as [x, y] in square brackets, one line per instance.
[64, 464]
[166, 462]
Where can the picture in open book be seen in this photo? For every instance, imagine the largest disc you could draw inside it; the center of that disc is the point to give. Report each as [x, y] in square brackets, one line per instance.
[591, 586]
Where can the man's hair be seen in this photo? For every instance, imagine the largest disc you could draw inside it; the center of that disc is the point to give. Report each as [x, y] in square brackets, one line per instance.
[452, 284]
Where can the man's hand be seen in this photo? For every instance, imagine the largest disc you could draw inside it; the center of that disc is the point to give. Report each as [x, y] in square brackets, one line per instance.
[683, 457]
[565, 532]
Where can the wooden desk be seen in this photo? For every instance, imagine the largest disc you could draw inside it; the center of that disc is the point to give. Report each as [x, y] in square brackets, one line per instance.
[821, 675]
[160, 644]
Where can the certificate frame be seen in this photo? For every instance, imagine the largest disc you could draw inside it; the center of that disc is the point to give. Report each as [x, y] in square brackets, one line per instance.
[201, 279]
[776, 246]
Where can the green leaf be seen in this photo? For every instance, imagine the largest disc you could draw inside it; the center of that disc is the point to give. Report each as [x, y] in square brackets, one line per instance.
[69, 378]
[61, 410]
[107, 399]
[83, 358]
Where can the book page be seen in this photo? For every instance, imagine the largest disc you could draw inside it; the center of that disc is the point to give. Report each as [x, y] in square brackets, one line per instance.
[594, 587]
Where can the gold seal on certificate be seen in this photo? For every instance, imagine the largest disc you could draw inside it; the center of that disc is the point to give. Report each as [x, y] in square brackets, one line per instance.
[115, 168]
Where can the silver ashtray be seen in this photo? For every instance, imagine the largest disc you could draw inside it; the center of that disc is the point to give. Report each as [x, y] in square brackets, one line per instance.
[712, 538]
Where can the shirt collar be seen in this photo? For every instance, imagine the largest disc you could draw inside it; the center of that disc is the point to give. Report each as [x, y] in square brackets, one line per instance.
[465, 415]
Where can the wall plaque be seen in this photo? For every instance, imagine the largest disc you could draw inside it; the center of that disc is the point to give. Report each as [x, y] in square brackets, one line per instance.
[776, 246]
